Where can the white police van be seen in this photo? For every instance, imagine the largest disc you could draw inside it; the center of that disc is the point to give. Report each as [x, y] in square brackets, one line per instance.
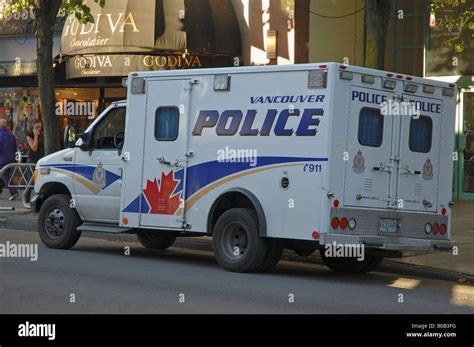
[261, 159]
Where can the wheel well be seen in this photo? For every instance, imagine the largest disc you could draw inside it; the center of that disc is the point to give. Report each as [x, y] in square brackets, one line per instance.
[48, 190]
[232, 199]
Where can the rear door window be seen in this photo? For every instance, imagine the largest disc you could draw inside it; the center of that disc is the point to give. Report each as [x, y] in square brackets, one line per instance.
[421, 133]
[370, 127]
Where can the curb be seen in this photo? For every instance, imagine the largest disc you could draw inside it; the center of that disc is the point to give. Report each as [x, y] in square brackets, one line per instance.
[388, 266]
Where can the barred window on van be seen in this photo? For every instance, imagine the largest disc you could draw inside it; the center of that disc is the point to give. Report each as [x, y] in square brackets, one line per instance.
[166, 123]
[370, 127]
[421, 133]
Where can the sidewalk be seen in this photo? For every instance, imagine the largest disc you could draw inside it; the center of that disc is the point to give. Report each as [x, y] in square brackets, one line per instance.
[440, 265]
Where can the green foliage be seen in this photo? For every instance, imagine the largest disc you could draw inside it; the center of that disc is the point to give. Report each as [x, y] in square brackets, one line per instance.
[460, 22]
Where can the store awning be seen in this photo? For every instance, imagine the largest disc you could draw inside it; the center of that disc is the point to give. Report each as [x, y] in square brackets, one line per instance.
[130, 35]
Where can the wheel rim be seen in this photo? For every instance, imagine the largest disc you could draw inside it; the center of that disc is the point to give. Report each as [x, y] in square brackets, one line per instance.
[55, 223]
[235, 240]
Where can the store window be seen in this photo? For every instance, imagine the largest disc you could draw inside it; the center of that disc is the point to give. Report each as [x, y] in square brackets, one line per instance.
[114, 94]
[20, 107]
[405, 37]
[77, 106]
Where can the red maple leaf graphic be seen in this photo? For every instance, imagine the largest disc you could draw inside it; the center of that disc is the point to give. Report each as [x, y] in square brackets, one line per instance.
[159, 198]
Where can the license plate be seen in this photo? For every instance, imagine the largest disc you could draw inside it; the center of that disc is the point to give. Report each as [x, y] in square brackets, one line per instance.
[388, 225]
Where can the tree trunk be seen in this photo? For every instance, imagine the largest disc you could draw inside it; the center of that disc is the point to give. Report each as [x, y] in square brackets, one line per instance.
[377, 14]
[46, 12]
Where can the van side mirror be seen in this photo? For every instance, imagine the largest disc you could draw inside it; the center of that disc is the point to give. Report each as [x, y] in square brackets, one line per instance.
[85, 145]
[70, 136]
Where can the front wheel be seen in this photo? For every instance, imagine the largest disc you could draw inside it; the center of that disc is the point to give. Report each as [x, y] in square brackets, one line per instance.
[156, 240]
[58, 222]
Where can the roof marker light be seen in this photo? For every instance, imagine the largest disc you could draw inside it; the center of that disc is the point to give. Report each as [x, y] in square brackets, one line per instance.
[368, 79]
[317, 79]
[346, 75]
[389, 84]
[411, 88]
[448, 92]
[428, 89]
[222, 83]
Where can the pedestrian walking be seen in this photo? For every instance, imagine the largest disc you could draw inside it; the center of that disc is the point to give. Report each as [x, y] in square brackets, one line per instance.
[7, 156]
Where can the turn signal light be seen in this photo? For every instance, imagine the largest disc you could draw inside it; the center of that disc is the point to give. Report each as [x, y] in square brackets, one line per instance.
[435, 228]
[35, 176]
[335, 223]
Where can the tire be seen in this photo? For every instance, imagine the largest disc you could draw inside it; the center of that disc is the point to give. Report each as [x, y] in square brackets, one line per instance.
[351, 265]
[236, 230]
[273, 256]
[156, 240]
[58, 222]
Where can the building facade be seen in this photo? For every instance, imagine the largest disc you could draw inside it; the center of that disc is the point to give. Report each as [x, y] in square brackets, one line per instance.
[147, 35]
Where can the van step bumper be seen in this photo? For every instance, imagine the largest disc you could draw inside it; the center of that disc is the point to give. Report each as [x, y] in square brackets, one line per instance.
[104, 228]
[380, 242]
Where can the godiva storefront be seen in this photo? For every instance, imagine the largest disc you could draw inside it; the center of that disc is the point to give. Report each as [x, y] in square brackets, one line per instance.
[141, 35]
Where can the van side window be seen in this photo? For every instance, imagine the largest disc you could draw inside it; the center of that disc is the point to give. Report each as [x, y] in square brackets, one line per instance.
[166, 123]
[370, 127]
[111, 125]
[421, 132]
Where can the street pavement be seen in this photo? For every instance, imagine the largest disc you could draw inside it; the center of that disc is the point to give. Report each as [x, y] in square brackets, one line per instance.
[102, 279]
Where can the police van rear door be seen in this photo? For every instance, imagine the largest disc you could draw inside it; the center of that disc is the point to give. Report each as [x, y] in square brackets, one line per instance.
[420, 154]
[370, 172]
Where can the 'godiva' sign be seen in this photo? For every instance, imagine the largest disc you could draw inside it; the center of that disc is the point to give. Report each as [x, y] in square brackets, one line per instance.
[147, 35]
[121, 26]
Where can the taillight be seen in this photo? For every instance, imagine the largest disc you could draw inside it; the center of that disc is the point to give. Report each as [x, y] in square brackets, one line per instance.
[336, 203]
[335, 223]
[435, 228]
[343, 223]
[443, 211]
[442, 229]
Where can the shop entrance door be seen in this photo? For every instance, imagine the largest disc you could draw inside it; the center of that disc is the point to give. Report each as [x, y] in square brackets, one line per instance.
[464, 170]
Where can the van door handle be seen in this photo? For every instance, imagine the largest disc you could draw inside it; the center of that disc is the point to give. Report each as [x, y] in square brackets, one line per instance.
[163, 161]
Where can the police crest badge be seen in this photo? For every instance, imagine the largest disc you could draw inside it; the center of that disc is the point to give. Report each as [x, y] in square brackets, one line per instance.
[359, 163]
[428, 170]
[99, 177]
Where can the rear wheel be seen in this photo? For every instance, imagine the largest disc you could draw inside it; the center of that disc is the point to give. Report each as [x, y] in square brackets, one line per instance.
[351, 265]
[274, 252]
[237, 244]
[156, 240]
[58, 222]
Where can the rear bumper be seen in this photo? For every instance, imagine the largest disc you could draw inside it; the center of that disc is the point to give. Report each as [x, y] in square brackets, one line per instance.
[381, 242]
